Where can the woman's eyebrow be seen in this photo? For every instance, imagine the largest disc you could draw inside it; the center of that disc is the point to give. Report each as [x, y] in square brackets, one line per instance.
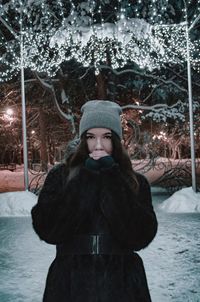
[106, 133]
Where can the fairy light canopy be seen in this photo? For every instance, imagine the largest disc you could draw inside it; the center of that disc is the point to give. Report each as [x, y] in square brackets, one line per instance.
[94, 33]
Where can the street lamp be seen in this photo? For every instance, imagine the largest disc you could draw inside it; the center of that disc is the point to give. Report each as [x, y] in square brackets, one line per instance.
[20, 39]
[9, 112]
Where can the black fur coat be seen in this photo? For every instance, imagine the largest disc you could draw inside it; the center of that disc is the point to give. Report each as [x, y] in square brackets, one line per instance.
[94, 203]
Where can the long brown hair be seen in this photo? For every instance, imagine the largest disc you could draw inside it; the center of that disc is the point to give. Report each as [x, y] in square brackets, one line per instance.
[119, 154]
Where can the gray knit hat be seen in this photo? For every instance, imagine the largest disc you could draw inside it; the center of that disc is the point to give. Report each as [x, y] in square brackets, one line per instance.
[101, 114]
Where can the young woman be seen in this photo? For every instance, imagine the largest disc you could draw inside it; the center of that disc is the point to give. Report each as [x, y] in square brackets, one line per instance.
[98, 212]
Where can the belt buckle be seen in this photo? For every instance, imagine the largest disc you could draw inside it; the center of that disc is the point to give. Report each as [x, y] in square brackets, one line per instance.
[95, 244]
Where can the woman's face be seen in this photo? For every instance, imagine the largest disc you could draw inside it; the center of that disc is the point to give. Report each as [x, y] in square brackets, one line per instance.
[99, 141]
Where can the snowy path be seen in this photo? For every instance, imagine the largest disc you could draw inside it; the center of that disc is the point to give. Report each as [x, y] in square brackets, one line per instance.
[172, 261]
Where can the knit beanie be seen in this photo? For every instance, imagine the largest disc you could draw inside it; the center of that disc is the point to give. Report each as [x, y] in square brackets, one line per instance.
[101, 114]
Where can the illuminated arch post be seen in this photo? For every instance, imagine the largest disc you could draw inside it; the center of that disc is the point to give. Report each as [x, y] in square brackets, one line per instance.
[25, 149]
[191, 119]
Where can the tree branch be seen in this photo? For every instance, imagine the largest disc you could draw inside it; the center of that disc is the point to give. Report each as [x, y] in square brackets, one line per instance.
[166, 82]
[69, 116]
[193, 24]
[43, 83]
[9, 28]
[156, 107]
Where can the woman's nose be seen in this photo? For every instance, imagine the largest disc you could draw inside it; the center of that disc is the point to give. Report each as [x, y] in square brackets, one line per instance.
[98, 144]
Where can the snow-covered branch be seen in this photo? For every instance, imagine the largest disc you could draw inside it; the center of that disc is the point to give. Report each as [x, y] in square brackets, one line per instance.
[161, 112]
[9, 28]
[44, 83]
[67, 116]
[153, 107]
[194, 22]
[147, 75]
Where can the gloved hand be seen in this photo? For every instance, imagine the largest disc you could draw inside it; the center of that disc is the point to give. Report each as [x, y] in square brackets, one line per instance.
[103, 162]
[106, 161]
[92, 164]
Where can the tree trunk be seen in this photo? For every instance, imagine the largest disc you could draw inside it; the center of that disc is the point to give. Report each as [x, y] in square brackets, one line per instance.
[111, 87]
[101, 89]
[43, 136]
[51, 152]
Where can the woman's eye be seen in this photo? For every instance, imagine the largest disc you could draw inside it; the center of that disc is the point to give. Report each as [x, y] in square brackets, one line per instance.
[107, 137]
[89, 137]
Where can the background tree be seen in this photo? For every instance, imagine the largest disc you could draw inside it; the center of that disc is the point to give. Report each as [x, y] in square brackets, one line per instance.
[133, 53]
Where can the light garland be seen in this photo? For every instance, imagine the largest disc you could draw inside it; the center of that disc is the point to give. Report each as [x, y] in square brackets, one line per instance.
[48, 41]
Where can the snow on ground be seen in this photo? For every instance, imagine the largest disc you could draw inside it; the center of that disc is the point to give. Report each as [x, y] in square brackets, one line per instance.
[171, 261]
[21, 203]
[16, 203]
[14, 181]
[183, 201]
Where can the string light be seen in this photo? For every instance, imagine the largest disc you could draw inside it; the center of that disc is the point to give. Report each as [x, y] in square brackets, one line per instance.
[80, 32]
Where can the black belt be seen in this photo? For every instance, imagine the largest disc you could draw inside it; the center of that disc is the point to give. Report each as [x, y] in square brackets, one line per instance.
[91, 245]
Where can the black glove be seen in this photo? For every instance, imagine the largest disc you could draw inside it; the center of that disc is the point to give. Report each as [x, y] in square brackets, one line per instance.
[106, 161]
[103, 162]
[92, 164]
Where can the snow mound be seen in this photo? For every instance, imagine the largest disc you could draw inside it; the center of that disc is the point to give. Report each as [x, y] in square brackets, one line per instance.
[183, 201]
[16, 203]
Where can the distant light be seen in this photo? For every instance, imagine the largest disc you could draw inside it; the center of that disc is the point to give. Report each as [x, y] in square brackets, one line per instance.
[9, 112]
[33, 132]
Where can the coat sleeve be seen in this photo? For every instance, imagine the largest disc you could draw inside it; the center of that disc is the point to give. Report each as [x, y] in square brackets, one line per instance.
[58, 212]
[131, 216]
